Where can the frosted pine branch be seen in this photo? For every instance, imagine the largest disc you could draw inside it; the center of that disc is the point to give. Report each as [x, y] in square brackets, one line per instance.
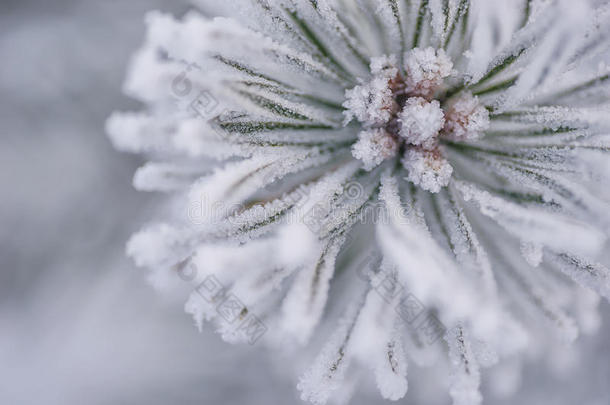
[380, 174]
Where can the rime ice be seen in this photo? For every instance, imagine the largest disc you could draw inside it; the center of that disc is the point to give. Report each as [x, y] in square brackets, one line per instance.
[427, 169]
[420, 122]
[374, 146]
[507, 216]
[373, 103]
[425, 71]
[398, 108]
[466, 119]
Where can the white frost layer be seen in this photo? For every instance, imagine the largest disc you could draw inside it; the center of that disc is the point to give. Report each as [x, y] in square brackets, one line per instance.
[384, 66]
[421, 121]
[466, 119]
[327, 373]
[425, 70]
[427, 169]
[373, 103]
[466, 377]
[373, 147]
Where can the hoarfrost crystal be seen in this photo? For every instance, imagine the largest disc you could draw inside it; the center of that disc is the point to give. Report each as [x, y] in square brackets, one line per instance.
[391, 182]
[466, 119]
[425, 70]
[427, 169]
[373, 147]
[373, 103]
[420, 121]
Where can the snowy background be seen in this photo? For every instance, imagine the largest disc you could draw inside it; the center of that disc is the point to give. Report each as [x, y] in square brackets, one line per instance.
[78, 323]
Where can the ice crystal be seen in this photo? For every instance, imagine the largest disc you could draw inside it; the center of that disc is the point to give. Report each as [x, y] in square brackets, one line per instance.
[425, 70]
[420, 121]
[373, 147]
[427, 169]
[466, 119]
[398, 106]
[373, 103]
[389, 181]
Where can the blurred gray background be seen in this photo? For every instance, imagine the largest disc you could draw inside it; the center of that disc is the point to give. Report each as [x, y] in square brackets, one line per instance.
[78, 323]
